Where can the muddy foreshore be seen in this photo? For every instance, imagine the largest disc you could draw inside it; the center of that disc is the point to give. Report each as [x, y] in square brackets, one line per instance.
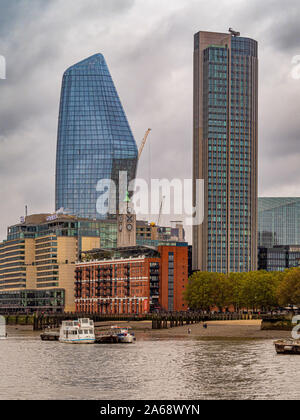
[216, 330]
[220, 330]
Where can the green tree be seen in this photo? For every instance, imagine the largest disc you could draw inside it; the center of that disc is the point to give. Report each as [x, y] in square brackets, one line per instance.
[236, 297]
[288, 291]
[200, 291]
[252, 290]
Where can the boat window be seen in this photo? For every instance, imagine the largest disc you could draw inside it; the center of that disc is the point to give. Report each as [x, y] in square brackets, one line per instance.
[91, 331]
[86, 331]
[80, 332]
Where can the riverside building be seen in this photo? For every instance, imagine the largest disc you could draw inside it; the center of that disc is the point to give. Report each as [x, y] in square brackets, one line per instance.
[133, 280]
[37, 261]
[278, 258]
[278, 221]
[225, 151]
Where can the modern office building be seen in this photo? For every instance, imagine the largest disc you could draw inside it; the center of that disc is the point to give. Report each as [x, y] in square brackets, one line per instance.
[37, 261]
[150, 233]
[134, 280]
[94, 142]
[278, 258]
[39, 256]
[225, 151]
[278, 221]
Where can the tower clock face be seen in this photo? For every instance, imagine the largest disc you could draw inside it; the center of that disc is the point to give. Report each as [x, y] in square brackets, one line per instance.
[129, 227]
[129, 219]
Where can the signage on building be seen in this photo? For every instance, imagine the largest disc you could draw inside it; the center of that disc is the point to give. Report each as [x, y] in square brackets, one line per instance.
[52, 217]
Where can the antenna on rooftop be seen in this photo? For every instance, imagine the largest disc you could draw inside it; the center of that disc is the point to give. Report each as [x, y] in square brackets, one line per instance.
[234, 33]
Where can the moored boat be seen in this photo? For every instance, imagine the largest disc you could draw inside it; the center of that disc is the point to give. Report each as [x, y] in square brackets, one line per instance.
[80, 331]
[115, 334]
[125, 335]
[287, 346]
[49, 336]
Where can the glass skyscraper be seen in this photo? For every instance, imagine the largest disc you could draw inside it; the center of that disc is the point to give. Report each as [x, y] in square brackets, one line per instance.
[225, 151]
[278, 221]
[94, 142]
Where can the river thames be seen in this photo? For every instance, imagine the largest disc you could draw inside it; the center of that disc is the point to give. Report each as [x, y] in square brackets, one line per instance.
[152, 369]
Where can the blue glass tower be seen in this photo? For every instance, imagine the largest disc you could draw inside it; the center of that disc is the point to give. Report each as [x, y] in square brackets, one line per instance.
[94, 141]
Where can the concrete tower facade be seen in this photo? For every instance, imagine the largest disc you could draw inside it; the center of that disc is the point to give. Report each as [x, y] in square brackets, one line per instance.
[225, 151]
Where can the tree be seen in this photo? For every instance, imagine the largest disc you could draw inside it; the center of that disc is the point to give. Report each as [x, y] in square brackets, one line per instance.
[200, 291]
[288, 292]
[252, 290]
[236, 298]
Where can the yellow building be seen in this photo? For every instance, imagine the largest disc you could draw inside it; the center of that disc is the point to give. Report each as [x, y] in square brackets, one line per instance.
[37, 261]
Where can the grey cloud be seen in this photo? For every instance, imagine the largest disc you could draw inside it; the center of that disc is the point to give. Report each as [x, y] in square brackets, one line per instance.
[148, 46]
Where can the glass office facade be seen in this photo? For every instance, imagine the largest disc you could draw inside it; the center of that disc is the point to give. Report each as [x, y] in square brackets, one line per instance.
[242, 165]
[278, 221]
[225, 151]
[32, 301]
[278, 258]
[95, 141]
[215, 130]
[106, 230]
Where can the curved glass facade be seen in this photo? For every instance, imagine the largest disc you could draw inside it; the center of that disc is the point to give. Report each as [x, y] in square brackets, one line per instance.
[94, 142]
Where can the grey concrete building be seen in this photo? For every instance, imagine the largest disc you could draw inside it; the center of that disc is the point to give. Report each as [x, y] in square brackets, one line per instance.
[225, 151]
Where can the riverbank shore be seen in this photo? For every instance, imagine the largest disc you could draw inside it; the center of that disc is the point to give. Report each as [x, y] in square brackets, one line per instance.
[216, 330]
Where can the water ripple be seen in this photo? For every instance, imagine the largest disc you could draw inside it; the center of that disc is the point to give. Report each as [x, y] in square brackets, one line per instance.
[32, 369]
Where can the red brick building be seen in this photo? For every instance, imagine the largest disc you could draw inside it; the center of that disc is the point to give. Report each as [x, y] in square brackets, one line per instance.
[133, 280]
[173, 277]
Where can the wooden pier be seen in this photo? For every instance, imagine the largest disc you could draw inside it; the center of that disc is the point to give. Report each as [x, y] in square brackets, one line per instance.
[172, 320]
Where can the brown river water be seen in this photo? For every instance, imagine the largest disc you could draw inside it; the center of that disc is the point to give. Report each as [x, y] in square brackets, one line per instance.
[153, 369]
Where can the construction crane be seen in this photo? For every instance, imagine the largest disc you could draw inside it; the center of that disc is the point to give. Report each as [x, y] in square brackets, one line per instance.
[143, 142]
[160, 210]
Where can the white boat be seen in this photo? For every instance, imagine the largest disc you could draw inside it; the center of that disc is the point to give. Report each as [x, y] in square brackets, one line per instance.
[81, 331]
[125, 335]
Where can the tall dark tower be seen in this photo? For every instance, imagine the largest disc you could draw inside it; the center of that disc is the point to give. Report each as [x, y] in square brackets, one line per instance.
[225, 151]
[94, 142]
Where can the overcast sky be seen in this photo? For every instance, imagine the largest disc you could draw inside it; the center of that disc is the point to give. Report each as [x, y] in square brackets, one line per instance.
[148, 46]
